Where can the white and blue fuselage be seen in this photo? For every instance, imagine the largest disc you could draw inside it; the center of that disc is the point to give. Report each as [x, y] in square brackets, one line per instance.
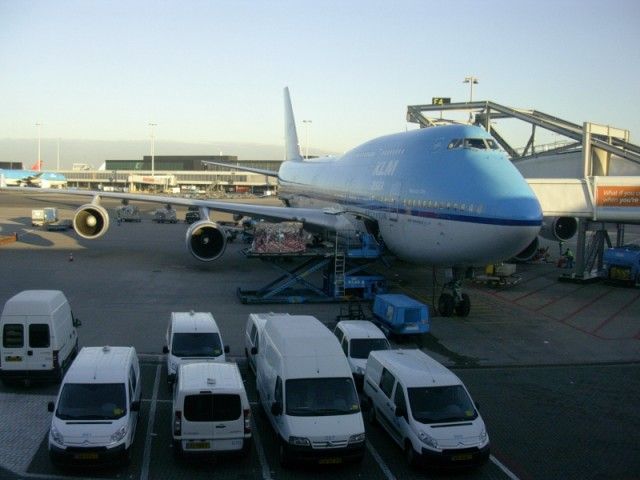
[33, 178]
[443, 196]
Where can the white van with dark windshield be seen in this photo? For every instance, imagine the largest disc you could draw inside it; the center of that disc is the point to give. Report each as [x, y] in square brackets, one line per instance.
[357, 339]
[211, 412]
[425, 408]
[96, 411]
[307, 391]
[192, 336]
[39, 337]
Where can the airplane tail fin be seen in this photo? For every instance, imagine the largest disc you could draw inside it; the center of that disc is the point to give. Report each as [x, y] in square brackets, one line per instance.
[37, 166]
[292, 146]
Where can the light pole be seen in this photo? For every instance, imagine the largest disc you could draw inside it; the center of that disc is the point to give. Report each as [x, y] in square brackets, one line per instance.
[153, 146]
[38, 162]
[307, 124]
[471, 80]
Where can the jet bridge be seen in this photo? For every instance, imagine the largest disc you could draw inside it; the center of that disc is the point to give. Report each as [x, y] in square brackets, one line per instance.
[593, 175]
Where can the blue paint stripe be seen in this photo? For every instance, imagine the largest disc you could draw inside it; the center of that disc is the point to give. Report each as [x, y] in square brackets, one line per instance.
[512, 222]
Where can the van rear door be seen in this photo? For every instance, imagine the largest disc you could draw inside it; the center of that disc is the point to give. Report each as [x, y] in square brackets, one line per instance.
[14, 344]
[39, 350]
[213, 421]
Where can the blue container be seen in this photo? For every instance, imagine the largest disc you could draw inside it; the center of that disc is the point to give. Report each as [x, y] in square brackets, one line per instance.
[401, 314]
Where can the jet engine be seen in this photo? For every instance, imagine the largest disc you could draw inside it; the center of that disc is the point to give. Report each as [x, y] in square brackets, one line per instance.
[90, 221]
[206, 240]
[559, 229]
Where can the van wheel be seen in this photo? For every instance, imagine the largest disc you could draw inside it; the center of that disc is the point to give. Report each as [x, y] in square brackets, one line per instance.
[410, 455]
[283, 454]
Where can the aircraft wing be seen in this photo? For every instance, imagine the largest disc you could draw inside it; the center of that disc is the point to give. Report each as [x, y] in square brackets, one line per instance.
[310, 217]
[269, 173]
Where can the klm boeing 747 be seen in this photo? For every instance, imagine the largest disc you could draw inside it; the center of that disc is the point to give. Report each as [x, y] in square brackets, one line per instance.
[444, 196]
[32, 178]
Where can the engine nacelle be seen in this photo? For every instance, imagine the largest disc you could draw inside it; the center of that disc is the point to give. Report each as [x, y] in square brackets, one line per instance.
[528, 252]
[206, 241]
[559, 229]
[90, 221]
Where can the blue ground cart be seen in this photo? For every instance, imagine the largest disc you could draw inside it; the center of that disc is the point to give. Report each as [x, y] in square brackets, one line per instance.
[400, 314]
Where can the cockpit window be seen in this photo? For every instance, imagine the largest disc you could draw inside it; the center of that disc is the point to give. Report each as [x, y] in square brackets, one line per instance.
[479, 143]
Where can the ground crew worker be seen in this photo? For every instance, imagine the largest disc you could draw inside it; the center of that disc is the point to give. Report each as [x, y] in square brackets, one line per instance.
[568, 254]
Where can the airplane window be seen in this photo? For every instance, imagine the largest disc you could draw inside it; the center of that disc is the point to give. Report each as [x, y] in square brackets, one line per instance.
[475, 143]
[492, 144]
[455, 143]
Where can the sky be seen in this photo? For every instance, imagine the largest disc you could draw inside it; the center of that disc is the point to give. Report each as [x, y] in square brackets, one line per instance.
[214, 71]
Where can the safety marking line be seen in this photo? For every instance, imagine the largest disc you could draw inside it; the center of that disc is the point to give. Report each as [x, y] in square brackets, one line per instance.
[585, 306]
[616, 313]
[378, 458]
[502, 467]
[266, 472]
[146, 459]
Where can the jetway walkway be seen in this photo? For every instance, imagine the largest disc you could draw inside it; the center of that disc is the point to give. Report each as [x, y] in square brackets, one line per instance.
[594, 196]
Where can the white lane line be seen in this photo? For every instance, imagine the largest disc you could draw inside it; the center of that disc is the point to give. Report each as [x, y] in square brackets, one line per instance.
[381, 464]
[266, 472]
[503, 467]
[146, 459]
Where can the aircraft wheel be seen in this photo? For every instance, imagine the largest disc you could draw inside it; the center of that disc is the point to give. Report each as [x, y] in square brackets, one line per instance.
[445, 305]
[464, 306]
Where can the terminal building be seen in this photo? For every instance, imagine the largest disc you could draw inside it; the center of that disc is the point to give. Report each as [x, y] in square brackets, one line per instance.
[177, 174]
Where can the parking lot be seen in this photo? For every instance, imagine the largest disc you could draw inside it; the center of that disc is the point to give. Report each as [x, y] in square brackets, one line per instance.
[554, 366]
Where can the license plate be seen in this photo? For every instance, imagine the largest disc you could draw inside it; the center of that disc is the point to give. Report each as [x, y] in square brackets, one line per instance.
[197, 445]
[330, 461]
[86, 456]
[13, 358]
[462, 457]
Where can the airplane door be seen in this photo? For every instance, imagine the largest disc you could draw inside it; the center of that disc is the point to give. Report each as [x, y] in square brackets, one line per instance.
[396, 190]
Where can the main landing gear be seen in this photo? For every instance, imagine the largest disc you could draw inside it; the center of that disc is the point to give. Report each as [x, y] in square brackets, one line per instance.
[453, 300]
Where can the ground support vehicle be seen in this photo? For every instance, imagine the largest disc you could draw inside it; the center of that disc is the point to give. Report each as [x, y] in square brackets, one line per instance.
[128, 213]
[165, 215]
[43, 216]
[499, 275]
[400, 315]
[622, 264]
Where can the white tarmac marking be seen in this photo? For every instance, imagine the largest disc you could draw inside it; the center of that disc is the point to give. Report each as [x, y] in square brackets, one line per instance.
[266, 472]
[503, 467]
[381, 464]
[146, 459]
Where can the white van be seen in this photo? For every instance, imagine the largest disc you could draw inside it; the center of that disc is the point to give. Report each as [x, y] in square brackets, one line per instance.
[252, 333]
[39, 338]
[96, 411]
[307, 391]
[192, 336]
[425, 408]
[211, 412]
[358, 338]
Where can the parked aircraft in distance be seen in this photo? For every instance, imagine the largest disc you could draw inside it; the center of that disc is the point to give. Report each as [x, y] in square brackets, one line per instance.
[445, 196]
[32, 178]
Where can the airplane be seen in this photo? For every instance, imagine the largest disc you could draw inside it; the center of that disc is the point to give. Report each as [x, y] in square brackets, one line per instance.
[32, 178]
[445, 196]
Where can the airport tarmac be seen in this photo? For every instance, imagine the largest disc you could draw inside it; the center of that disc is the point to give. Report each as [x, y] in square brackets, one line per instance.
[554, 365]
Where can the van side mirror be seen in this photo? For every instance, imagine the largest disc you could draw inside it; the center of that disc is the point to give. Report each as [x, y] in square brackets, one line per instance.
[254, 350]
[226, 349]
[135, 406]
[276, 408]
[165, 349]
[401, 411]
[51, 407]
[77, 322]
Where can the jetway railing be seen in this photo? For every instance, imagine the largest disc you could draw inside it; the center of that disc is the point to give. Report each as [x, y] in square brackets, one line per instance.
[607, 199]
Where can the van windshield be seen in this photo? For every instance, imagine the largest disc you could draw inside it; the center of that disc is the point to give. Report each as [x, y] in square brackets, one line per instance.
[92, 401]
[361, 347]
[441, 404]
[196, 345]
[313, 397]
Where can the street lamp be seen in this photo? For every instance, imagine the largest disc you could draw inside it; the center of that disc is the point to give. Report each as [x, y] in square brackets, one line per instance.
[153, 141]
[471, 80]
[307, 124]
[38, 163]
